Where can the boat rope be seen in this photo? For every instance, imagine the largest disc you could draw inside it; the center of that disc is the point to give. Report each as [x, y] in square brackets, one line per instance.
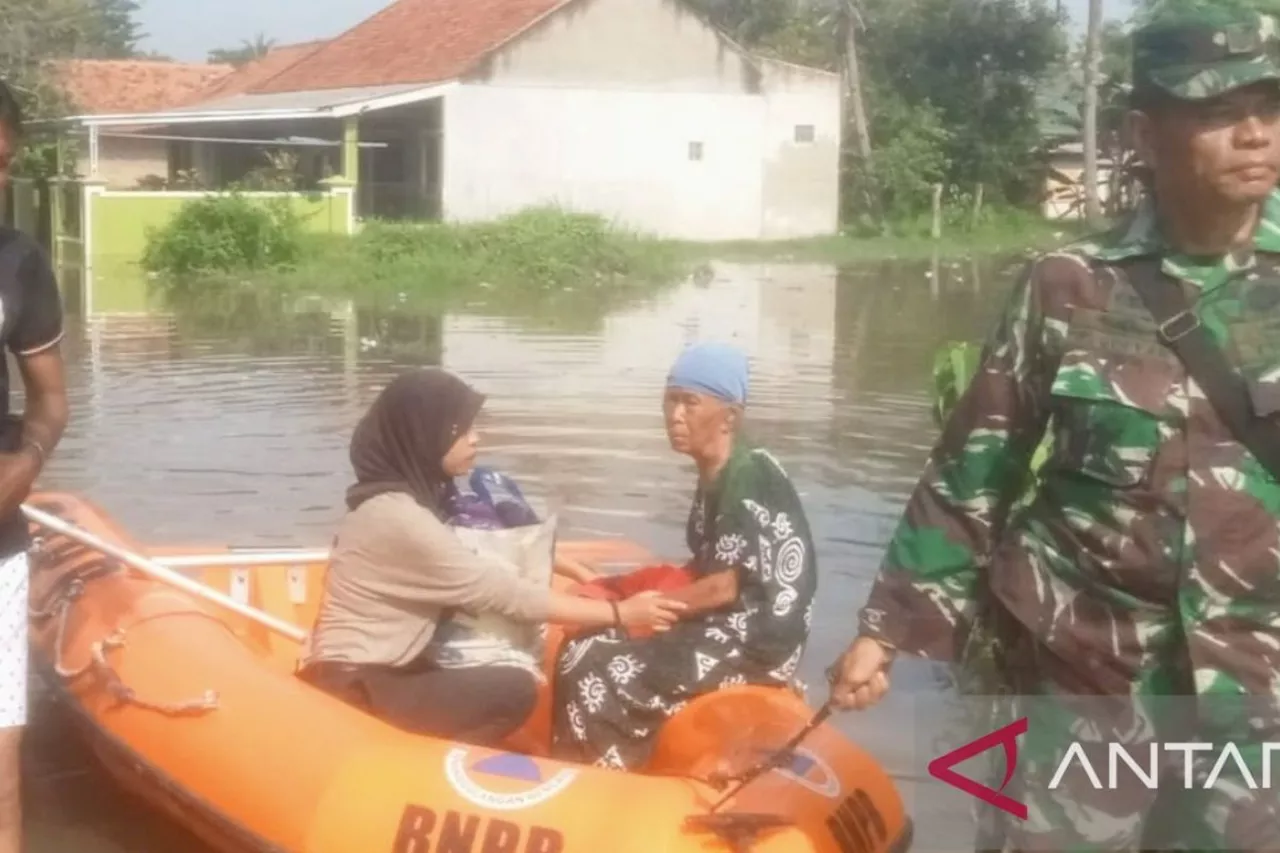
[775, 760]
[60, 605]
[720, 779]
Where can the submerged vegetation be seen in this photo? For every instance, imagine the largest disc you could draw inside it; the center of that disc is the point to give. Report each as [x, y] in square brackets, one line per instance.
[1003, 232]
[540, 258]
[228, 243]
[221, 234]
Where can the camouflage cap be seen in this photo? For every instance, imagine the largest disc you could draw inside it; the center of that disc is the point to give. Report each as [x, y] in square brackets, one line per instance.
[1206, 53]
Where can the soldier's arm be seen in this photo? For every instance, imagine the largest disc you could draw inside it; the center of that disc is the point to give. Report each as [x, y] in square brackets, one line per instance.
[923, 598]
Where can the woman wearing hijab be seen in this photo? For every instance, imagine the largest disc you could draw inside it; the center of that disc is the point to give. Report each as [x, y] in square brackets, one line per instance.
[398, 569]
[749, 605]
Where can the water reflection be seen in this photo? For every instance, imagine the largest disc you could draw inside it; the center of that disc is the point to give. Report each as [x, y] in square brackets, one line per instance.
[227, 419]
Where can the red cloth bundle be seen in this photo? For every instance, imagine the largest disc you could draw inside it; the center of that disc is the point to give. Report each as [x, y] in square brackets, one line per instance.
[662, 578]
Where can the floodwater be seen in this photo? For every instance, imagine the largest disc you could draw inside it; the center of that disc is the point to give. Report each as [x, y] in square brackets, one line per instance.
[219, 425]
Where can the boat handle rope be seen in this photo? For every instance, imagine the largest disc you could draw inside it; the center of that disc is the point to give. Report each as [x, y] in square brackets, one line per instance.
[60, 606]
[155, 571]
[775, 759]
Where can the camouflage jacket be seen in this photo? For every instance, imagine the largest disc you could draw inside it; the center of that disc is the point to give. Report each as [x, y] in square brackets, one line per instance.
[1152, 532]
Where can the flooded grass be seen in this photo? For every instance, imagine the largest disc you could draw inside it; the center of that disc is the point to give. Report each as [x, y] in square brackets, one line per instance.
[526, 257]
[542, 261]
[532, 252]
[571, 269]
[1001, 233]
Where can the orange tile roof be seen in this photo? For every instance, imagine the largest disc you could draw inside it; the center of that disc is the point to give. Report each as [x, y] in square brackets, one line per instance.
[109, 86]
[250, 75]
[412, 41]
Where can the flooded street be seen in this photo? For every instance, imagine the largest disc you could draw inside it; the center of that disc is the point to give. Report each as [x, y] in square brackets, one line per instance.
[234, 428]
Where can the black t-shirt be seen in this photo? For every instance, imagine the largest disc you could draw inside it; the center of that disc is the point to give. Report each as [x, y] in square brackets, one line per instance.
[30, 323]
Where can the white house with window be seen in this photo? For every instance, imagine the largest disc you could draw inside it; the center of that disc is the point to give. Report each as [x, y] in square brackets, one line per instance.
[634, 109]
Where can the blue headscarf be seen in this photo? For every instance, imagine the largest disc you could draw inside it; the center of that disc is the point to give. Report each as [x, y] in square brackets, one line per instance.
[719, 370]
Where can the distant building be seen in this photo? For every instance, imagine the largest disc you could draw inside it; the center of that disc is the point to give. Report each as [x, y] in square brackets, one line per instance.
[465, 110]
[112, 86]
[1064, 188]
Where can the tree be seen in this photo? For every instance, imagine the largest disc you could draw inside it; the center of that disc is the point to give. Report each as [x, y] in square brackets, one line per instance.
[112, 32]
[980, 64]
[1092, 60]
[749, 22]
[1062, 113]
[39, 32]
[36, 31]
[850, 22]
[35, 36]
[1147, 9]
[246, 53]
[940, 91]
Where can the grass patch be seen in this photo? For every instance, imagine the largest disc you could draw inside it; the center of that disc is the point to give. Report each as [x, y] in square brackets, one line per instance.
[533, 256]
[565, 266]
[221, 234]
[568, 270]
[1001, 232]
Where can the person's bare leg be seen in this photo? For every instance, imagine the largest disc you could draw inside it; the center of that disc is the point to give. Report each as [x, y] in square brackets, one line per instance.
[10, 791]
[13, 696]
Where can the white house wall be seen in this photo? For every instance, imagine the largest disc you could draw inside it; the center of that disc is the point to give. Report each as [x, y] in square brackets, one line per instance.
[801, 180]
[622, 44]
[622, 154]
[596, 107]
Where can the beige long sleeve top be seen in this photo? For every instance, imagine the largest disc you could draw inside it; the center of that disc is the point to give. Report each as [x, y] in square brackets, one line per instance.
[394, 569]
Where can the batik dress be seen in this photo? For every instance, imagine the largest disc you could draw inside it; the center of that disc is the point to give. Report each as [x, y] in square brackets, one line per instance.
[613, 693]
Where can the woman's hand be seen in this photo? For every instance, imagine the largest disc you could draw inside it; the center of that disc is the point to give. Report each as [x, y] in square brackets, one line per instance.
[576, 570]
[650, 610]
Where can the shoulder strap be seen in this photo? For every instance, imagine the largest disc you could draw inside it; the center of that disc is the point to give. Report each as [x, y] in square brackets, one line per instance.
[1181, 331]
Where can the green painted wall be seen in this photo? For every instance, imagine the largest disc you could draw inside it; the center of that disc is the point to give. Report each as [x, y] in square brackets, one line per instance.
[120, 223]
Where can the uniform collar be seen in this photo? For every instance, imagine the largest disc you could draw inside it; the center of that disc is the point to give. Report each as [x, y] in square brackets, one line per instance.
[1140, 236]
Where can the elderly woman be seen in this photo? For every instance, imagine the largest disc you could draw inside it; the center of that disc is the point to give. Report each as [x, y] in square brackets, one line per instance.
[749, 606]
[399, 571]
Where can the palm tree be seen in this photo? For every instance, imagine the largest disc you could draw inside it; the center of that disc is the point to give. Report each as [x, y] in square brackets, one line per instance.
[853, 76]
[246, 53]
[1092, 58]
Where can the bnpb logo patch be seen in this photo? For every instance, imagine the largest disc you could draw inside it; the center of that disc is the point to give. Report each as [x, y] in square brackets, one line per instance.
[505, 781]
[807, 769]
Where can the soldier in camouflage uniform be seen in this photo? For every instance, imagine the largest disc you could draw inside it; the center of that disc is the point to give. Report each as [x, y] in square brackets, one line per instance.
[1146, 562]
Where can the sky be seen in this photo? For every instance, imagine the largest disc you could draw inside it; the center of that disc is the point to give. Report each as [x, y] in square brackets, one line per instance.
[188, 29]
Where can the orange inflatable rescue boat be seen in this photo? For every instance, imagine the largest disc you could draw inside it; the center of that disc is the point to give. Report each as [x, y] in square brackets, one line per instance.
[178, 666]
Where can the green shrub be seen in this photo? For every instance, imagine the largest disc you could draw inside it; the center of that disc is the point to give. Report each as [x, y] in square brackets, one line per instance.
[224, 234]
[538, 249]
[535, 256]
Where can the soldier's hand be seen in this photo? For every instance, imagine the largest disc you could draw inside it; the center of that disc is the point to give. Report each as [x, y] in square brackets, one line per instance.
[860, 678]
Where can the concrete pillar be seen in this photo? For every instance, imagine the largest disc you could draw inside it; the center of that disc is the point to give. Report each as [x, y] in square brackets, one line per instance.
[93, 152]
[351, 150]
[57, 226]
[89, 190]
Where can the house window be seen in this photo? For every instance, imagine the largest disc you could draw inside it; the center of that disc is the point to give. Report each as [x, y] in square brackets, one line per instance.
[695, 150]
[804, 133]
